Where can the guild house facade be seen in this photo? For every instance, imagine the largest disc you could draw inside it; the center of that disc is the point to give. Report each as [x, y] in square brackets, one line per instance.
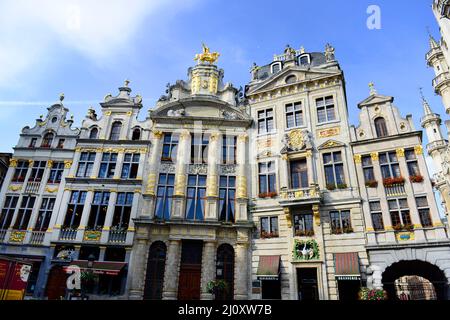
[267, 191]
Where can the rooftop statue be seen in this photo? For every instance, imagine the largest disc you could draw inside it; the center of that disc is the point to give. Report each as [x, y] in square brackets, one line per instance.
[207, 56]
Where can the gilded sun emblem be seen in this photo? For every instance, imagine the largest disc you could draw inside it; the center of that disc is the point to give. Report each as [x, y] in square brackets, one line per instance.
[296, 139]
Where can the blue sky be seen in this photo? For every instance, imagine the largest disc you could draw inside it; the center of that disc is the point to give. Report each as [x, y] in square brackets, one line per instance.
[87, 50]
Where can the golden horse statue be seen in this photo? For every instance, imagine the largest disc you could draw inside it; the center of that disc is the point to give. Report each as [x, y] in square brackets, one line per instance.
[207, 56]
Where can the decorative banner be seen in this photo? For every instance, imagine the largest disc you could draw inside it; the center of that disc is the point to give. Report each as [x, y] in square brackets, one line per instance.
[329, 132]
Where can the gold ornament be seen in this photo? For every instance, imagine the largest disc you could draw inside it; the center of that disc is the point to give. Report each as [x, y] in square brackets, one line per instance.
[207, 56]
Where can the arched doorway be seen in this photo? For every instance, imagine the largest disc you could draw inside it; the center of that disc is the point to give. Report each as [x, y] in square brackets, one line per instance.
[415, 280]
[225, 270]
[56, 283]
[156, 265]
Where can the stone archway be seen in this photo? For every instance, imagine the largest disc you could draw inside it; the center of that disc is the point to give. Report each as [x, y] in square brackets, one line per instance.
[412, 270]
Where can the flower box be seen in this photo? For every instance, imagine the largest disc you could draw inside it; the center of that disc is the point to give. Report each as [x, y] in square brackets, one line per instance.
[416, 179]
[406, 227]
[268, 195]
[372, 294]
[166, 159]
[304, 233]
[372, 184]
[342, 186]
[388, 182]
[331, 187]
[269, 235]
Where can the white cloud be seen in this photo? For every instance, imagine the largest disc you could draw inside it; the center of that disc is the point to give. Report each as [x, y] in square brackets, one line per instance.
[33, 30]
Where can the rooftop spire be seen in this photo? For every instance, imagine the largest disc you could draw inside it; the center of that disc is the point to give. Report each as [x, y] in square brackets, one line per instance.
[426, 106]
[372, 89]
[433, 42]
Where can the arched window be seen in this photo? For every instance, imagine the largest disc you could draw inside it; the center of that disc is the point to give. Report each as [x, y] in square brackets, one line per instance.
[380, 127]
[225, 271]
[115, 130]
[156, 264]
[136, 134]
[47, 140]
[93, 134]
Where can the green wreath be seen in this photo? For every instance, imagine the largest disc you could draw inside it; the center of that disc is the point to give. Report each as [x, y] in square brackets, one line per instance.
[310, 244]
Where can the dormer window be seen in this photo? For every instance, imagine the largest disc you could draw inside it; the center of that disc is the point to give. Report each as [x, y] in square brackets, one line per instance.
[61, 143]
[276, 67]
[115, 130]
[136, 134]
[47, 140]
[380, 127]
[33, 143]
[93, 134]
[304, 60]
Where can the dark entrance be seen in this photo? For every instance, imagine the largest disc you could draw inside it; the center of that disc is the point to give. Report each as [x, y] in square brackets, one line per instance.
[190, 270]
[349, 289]
[271, 289]
[225, 271]
[393, 274]
[156, 264]
[307, 284]
[56, 283]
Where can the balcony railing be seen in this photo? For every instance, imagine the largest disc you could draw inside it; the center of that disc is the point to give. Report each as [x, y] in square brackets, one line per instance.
[433, 52]
[68, 234]
[436, 145]
[395, 190]
[33, 187]
[117, 236]
[301, 195]
[37, 237]
[440, 79]
[3, 235]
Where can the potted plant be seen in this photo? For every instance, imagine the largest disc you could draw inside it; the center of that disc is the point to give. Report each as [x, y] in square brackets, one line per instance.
[348, 230]
[367, 294]
[398, 227]
[388, 182]
[217, 287]
[331, 186]
[262, 195]
[342, 186]
[416, 179]
[372, 184]
[272, 194]
[408, 227]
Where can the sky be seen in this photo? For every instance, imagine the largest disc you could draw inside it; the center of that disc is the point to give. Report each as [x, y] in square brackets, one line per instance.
[86, 49]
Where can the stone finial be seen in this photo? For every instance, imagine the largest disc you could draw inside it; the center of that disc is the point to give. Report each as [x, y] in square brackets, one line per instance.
[426, 107]
[126, 83]
[61, 97]
[373, 91]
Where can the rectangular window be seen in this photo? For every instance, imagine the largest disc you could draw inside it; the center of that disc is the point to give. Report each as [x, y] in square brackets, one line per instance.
[99, 207]
[411, 162]
[304, 225]
[424, 212]
[33, 143]
[399, 211]
[299, 174]
[325, 109]
[265, 121]
[45, 214]
[61, 143]
[74, 210]
[227, 198]
[108, 165]
[164, 195]
[267, 176]
[334, 170]
[367, 165]
[8, 212]
[294, 115]
[229, 149]
[25, 210]
[389, 165]
[377, 215]
[86, 164]
[269, 227]
[122, 211]
[56, 172]
[199, 148]
[340, 222]
[195, 201]
[21, 170]
[37, 171]
[170, 144]
[130, 166]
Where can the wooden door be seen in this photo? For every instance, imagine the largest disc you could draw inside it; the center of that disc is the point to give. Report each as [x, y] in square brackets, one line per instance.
[190, 270]
[56, 283]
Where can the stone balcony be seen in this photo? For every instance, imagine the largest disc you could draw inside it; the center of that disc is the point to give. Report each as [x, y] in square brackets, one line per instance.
[311, 195]
[436, 145]
[440, 80]
[433, 52]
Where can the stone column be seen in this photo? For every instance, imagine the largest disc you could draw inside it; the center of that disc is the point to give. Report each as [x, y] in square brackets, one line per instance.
[241, 179]
[170, 290]
[390, 235]
[241, 291]
[97, 162]
[310, 166]
[138, 265]
[208, 268]
[366, 209]
[153, 163]
[142, 158]
[61, 214]
[285, 182]
[212, 183]
[119, 164]
[73, 167]
[109, 215]
[85, 215]
[180, 176]
[414, 213]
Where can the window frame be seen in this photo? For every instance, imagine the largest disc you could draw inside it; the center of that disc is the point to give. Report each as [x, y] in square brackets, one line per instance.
[8, 210]
[44, 214]
[389, 164]
[164, 194]
[227, 156]
[272, 232]
[299, 174]
[265, 119]
[400, 212]
[326, 107]
[108, 165]
[341, 219]
[421, 211]
[303, 224]
[122, 210]
[37, 171]
[99, 209]
[197, 188]
[88, 164]
[24, 214]
[294, 113]
[411, 162]
[132, 165]
[333, 165]
[171, 144]
[227, 198]
[78, 206]
[21, 171]
[56, 173]
[199, 151]
[116, 126]
[267, 177]
[378, 212]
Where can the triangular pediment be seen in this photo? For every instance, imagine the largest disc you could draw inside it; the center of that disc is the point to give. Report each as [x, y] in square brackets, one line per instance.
[375, 99]
[300, 73]
[331, 144]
